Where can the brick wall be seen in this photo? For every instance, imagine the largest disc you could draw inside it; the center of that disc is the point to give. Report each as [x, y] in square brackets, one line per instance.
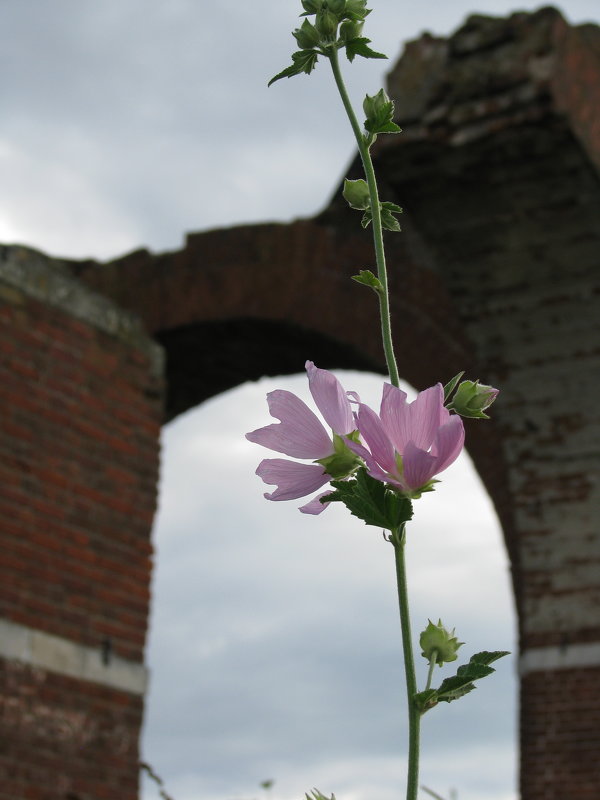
[80, 393]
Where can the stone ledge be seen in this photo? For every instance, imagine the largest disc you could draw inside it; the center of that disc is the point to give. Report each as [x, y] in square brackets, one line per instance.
[547, 659]
[65, 657]
[48, 281]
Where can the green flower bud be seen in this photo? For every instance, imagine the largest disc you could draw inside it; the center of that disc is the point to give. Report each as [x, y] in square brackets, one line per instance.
[356, 9]
[350, 30]
[472, 398]
[378, 106]
[336, 7]
[437, 643]
[311, 6]
[307, 36]
[356, 193]
[326, 23]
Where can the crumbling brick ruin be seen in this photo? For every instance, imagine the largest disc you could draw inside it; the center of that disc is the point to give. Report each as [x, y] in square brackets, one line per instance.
[496, 272]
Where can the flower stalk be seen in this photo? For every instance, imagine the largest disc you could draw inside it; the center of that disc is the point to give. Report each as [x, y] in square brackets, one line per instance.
[398, 539]
[375, 463]
[365, 155]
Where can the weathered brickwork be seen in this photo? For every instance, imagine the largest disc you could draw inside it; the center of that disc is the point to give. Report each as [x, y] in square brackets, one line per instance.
[560, 720]
[80, 392]
[63, 738]
[496, 272]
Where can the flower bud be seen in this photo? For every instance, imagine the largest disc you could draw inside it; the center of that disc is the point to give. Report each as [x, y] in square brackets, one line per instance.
[356, 194]
[356, 9]
[350, 30]
[326, 23]
[472, 398]
[376, 105]
[307, 36]
[438, 644]
[311, 6]
[336, 7]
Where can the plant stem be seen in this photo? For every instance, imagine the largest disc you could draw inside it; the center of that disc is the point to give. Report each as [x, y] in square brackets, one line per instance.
[414, 715]
[431, 666]
[363, 149]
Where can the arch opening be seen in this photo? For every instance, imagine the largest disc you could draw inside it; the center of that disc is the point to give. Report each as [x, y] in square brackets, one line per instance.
[274, 644]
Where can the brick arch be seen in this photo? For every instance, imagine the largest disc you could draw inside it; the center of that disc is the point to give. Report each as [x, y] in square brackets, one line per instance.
[495, 272]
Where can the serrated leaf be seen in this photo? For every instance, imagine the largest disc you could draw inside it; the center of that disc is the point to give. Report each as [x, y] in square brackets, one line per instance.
[372, 501]
[304, 61]
[366, 218]
[360, 47]
[392, 207]
[453, 690]
[366, 277]
[389, 221]
[488, 656]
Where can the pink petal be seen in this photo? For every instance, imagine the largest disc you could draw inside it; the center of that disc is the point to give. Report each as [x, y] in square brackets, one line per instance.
[372, 431]
[395, 416]
[419, 466]
[293, 480]
[427, 413]
[330, 398]
[300, 434]
[373, 467]
[315, 506]
[448, 443]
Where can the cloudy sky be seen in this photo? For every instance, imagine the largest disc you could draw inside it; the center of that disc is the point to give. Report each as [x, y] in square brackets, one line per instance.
[274, 644]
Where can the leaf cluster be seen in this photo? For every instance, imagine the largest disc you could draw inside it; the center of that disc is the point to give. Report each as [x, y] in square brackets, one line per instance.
[338, 25]
[372, 501]
[388, 220]
[462, 683]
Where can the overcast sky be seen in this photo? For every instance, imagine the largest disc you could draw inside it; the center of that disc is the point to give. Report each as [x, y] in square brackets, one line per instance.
[274, 645]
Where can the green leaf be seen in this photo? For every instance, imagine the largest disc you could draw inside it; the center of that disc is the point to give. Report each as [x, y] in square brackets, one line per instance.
[304, 61]
[461, 683]
[388, 220]
[426, 700]
[366, 277]
[372, 501]
[451, 385]
[360, 47]
[488, 656]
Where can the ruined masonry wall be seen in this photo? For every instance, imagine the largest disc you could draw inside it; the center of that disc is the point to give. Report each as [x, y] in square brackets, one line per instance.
[81, 399]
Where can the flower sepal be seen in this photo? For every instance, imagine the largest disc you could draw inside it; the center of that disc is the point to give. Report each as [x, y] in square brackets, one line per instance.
[342, 462]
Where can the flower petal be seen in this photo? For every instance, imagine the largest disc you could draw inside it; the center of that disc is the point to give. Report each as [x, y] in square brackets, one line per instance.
[448, 443]
[373, 432]
[373, 467]
[395, 416]
[293, 480]
[427, 413]
[419, 466]
[331, 399]
[315, 506]
[300, 434]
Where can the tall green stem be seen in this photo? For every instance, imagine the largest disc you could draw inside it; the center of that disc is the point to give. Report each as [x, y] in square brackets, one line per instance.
[414, 715]
[384, 302]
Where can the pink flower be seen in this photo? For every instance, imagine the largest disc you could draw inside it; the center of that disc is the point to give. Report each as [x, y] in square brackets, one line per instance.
[300, 434]
[408, 443]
